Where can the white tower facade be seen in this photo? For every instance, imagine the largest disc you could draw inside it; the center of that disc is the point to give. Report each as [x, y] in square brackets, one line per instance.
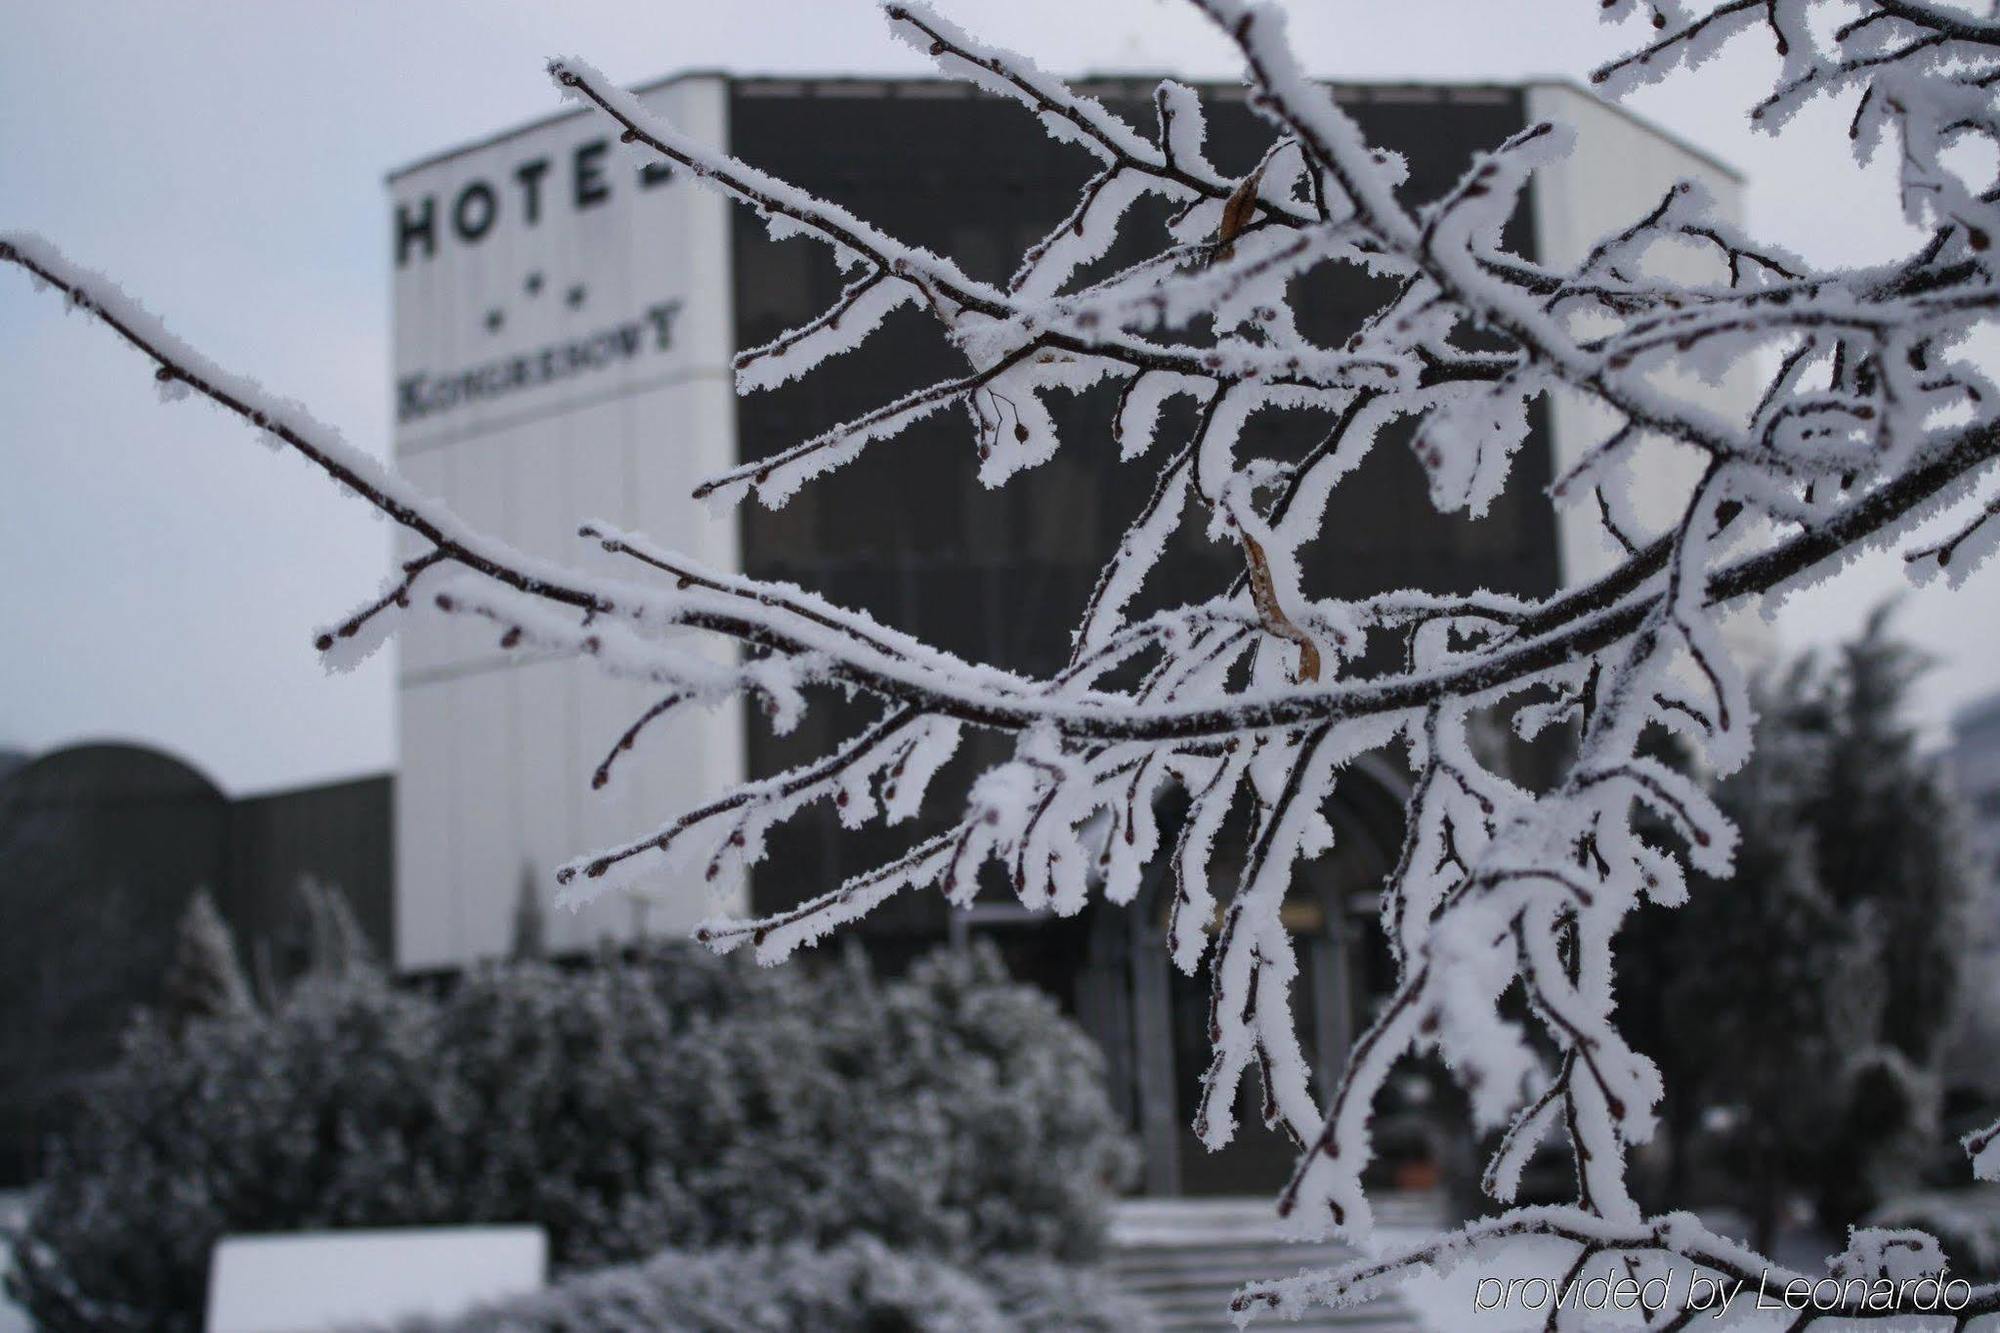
[561, 349]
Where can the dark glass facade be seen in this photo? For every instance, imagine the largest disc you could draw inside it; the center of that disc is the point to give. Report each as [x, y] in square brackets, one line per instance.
[908, 533]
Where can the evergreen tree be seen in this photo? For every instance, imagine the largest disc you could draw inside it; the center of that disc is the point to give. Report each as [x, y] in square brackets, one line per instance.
[1811, 996]
[1757, 992]
[1887, 832]
[1893, 859]
[205, 979]
[337, 948]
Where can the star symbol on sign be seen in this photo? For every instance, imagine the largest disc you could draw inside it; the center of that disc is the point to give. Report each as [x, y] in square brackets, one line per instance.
[575, 297]
[534, 284]
[494, 319]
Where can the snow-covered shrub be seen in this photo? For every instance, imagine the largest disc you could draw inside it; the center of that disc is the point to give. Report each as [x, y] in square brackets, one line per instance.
[1044, 1296]
[960, 1060]
[324, 1115]
[568, 1100]
[632, 1107]
[859, 1286]
[671, 1101]
[678, 1101]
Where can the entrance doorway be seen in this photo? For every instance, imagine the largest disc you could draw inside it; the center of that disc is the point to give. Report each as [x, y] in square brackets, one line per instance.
[1152, 1019]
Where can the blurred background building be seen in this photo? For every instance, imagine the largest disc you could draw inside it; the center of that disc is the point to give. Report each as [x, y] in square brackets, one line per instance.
[565, 318]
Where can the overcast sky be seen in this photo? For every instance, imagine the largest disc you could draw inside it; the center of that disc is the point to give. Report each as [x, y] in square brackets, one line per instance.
[224, 160]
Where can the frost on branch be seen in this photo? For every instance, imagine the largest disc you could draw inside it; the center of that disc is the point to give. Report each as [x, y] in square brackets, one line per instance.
[1984, 1148]
[1258, 692]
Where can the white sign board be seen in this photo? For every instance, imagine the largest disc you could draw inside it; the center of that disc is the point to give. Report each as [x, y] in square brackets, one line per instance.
[311, 1281]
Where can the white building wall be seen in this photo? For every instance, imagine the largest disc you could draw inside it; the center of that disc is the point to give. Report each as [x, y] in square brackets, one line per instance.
[1619, 169]
[498, 747]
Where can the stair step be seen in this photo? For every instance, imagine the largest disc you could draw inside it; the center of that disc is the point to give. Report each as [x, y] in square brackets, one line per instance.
[1220, 1279]
[1272, 1260]
[1185, 1258]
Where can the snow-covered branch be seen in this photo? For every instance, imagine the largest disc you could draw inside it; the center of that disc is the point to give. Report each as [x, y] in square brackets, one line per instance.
[1873, 421]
